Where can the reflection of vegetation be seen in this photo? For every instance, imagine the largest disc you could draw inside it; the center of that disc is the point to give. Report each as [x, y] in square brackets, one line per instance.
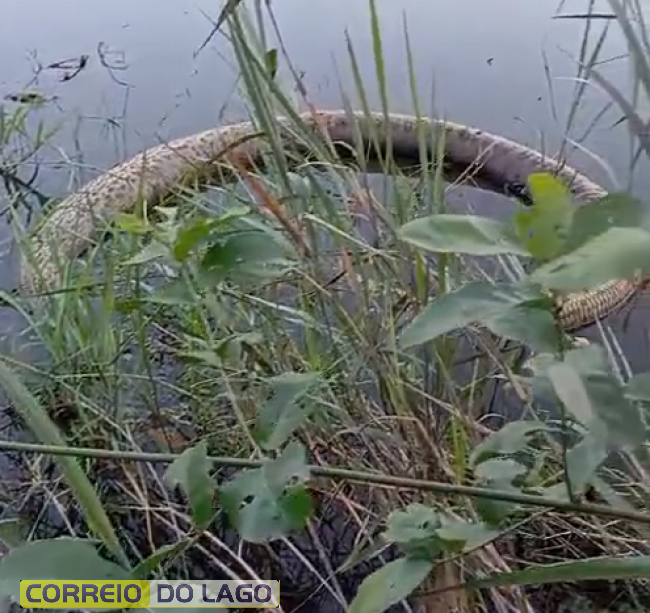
[208, 332]
[19, 146]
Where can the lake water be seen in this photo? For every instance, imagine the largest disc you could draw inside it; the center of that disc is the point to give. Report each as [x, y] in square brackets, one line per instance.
[485, 64]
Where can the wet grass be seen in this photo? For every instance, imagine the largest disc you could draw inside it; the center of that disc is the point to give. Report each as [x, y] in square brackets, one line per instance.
[157, 346]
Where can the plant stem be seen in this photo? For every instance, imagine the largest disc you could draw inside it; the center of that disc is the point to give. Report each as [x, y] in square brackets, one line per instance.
[348, 475]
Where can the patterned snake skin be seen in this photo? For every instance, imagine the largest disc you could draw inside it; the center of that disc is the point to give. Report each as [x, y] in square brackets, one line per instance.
[70, 228]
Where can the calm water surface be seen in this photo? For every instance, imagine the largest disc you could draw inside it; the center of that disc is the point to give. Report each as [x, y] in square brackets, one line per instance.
[477, 63]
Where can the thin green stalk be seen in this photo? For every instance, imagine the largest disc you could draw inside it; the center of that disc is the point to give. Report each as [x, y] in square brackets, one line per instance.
[46, 430]
[391, 481]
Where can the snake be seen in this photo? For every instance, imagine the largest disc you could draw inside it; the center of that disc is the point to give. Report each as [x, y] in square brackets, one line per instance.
[69, 229]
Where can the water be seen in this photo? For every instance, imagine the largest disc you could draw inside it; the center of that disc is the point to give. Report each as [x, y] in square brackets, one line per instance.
[477, 63]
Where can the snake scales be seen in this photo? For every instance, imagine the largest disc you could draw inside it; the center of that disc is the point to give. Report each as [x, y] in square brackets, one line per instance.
[68, 231]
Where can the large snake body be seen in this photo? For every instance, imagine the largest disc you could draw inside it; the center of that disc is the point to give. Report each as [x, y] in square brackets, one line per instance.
[71, 226]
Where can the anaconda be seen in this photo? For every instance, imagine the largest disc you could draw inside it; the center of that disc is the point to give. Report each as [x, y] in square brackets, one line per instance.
[70, 228]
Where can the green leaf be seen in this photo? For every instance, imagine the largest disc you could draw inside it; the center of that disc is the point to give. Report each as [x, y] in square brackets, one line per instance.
[495, 471]
[469, 234]
[191, 471]
[153, 561]
[582, 462]
[535, 326]
[195, 234]
[492, 510]
[176, 292]
[250, 253]
[587, 386]
[500, 470]
[282, 414]
[271, 62]
[461, 535]
[152, 251]
[190, 237]
[498, 474]
[473, 303]
[614, 210]
[414, 529]
[415, 522]
[268, 502]
[592, 569]
[391, 583]
[132, 223]
[52, 559]
[543, 227]
[510, 439]
[423, 532]
[638, 387]
[618, 253]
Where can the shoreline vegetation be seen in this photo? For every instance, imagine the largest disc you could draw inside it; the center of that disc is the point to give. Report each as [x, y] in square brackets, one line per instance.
[380, 422]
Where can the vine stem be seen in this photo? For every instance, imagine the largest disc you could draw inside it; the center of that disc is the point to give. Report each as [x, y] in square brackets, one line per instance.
[391, 481]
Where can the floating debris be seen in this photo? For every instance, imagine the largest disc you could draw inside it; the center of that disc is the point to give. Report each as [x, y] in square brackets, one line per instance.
[31, 98]
[70, 67]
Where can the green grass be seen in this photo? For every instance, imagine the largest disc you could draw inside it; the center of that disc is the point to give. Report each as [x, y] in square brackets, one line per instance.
[242, 348]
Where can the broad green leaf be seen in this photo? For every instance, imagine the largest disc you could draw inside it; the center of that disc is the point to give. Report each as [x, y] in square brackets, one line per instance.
[617, 253]
[588, 387]
[415, 522]
[510, 439]
[152, 251]
[284, 412]
[414, 529]
[250, 253]
[60, 558]
[534, 326]
[569, 387]
[638, 387]
[592, 569]
[614, 210]
[191, 236]
[540, 386]
[391, 583]
[174, 292]
[469, 234]
[269, 502]
[191, 471]
[494, 511]
[473, 303]
[461, 535]
[543, 227]
[195, 234]
[500, 470]
[582, 462]
[498, 474]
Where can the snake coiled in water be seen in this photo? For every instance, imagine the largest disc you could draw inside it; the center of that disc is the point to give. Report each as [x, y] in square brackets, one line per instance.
[70, 228]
